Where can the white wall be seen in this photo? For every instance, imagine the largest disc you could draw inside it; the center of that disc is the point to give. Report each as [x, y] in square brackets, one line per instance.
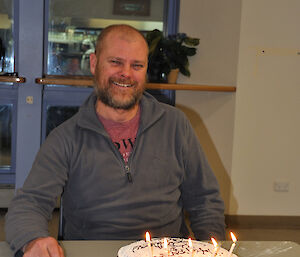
[260, 122]
[217, 24]
[267, 124]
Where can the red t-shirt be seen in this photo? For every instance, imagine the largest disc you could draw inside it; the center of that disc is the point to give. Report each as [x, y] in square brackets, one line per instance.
[122, 134]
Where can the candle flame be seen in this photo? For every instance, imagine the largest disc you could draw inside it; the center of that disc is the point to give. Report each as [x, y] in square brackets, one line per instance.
[165, 243]
[233, 237]
[147, 236]
[190, 242]
[214, 242]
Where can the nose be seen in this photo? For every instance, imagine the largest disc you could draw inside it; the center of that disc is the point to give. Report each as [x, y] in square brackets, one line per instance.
[126, 71]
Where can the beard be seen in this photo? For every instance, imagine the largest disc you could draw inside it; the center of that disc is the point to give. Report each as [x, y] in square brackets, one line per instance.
[105, 93]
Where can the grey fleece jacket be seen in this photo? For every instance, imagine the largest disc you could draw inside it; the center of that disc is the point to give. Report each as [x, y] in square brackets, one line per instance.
[104, 198]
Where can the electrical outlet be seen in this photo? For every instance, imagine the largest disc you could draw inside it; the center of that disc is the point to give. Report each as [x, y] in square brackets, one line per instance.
[281, 186]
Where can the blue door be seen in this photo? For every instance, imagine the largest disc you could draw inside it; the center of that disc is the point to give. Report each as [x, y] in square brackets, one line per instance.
[52, 39]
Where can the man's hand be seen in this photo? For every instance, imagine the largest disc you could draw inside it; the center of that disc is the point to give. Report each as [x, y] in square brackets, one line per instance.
[43, 247]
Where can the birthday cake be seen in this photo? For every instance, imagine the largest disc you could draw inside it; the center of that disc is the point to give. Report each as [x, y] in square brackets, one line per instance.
[176, 247]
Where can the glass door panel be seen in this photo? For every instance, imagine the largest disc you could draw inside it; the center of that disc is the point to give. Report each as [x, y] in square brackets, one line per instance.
[59, 104]
[8, 117]
[74, 27]
[8, 94]
[6, 37]
[5, 135]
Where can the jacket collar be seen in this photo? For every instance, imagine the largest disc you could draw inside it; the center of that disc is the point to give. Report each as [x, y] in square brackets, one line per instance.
[151, 111]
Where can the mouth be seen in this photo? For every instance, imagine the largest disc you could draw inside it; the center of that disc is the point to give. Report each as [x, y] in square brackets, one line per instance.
[125, 85]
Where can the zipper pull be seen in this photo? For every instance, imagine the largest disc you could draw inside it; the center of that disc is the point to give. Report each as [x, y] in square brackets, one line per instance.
[129, 178]
[128, 174]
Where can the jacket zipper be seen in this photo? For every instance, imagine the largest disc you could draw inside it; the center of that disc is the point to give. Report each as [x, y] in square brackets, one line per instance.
[128, 174]
[124, 165]
[127, 168]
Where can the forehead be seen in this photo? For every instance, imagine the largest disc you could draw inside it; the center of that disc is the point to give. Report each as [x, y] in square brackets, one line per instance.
[124, 43]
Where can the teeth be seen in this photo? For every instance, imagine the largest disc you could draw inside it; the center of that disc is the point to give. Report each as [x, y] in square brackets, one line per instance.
[122, 85]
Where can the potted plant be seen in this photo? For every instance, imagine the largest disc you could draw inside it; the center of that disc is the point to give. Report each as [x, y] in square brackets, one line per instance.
[167, 53]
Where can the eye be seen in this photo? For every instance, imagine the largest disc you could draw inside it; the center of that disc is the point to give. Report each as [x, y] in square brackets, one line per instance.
[138, 66]
[115, 62]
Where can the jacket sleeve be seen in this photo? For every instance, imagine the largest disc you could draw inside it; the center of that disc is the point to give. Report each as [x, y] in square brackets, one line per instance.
[200, 191]
[31, 208]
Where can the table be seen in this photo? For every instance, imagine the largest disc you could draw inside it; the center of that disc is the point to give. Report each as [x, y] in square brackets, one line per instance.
[110, 248]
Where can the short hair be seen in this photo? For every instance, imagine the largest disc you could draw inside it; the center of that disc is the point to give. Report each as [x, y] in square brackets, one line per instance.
[123, 28]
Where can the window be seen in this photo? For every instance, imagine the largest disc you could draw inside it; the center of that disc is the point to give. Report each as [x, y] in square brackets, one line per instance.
[74, 27]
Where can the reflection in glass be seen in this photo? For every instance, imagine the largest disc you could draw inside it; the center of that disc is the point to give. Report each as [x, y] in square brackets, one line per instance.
[5, 135]
[74, 26]
[57, 115]
[6, 37]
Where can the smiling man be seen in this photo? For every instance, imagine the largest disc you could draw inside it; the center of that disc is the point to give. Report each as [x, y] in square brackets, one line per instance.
[120, 75]
[125, 162]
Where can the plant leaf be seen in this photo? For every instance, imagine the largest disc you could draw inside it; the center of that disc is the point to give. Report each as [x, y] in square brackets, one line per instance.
[153, 45]
[190, 51]
[191, 41]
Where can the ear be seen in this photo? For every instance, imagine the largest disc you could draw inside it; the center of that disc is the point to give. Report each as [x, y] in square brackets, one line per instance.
[93, 63]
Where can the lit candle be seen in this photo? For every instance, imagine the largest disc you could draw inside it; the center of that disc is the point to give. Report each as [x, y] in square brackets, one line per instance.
[148, 240]
[233, 238]
[216, 249]
[166, 246]
[191, 247]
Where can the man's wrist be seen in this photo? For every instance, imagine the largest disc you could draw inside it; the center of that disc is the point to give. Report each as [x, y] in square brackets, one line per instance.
[23, 249]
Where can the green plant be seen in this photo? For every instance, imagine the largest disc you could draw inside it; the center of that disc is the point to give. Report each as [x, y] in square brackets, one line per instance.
[169, 52]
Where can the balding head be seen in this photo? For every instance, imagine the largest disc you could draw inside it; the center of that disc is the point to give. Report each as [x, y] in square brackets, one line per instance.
[125, 32]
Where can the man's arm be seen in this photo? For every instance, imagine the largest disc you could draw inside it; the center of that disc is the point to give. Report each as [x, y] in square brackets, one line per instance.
[200, 192]
[31, 209]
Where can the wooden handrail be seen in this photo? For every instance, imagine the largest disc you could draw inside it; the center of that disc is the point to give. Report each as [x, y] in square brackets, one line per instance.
[12, 79]
[80, 81]
[88, 81]
[191, 87]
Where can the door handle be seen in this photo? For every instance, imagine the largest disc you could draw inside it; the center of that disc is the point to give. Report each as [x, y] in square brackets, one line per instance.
[12, 78]
[80, 81]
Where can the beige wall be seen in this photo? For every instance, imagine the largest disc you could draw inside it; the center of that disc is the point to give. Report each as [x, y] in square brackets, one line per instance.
[217, 24]
[267, 124]
[251, 137]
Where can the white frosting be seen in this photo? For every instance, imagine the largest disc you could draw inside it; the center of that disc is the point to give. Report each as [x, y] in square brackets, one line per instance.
[177, 247]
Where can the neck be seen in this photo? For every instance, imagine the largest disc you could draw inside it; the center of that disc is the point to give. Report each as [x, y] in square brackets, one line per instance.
[117, 115]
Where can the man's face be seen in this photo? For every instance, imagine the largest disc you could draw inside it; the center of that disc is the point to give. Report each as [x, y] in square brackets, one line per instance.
[120, 70]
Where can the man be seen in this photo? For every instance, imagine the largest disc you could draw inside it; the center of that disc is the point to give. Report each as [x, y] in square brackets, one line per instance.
[125, 162]
[87, 47]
